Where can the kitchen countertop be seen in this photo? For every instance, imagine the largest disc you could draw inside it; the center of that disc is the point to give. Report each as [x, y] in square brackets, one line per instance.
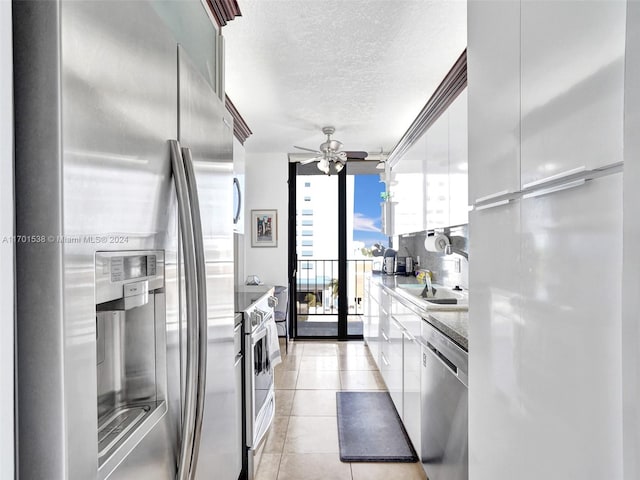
[453, 323]
[246, 295]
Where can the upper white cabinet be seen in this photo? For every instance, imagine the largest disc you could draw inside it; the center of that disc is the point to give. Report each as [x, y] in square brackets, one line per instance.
[238, 186]
[437, 190]
[493, 72]
[458, 161]
[429, 184]
[572, 84]
[408, 190]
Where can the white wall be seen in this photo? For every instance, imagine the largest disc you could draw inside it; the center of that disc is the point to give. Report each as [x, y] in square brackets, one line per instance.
[6, 249]
[266, 187]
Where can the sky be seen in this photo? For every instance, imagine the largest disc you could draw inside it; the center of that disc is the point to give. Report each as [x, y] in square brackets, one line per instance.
[366, 205]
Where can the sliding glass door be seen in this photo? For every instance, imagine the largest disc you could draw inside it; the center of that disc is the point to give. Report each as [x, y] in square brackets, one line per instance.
[328, 256]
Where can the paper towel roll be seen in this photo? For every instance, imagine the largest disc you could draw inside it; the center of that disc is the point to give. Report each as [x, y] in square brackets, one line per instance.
[436, 243]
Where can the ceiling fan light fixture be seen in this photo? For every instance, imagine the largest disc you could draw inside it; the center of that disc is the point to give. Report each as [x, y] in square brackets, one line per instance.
[329, 151]
[323, 165]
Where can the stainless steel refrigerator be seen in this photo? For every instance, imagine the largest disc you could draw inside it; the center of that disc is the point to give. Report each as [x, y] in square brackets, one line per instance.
[126, 363]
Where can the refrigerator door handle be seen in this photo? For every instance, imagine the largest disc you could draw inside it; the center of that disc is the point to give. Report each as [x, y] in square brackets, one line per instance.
[201, 284]
[188, 250]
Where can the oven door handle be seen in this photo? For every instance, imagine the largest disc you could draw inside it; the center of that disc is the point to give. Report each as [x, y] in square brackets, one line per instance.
[189, 255]
[256, 337]
[251, 340]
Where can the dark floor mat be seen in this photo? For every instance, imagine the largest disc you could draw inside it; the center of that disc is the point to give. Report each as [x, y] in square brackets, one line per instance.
[370, 430]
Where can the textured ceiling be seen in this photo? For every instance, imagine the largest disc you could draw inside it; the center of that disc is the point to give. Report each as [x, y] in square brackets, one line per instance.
[366, 67]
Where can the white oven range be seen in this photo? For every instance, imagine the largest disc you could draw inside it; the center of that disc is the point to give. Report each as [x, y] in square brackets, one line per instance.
[260, 358]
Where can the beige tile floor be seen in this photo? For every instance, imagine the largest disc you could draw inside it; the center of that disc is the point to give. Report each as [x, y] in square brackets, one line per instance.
[302, 443]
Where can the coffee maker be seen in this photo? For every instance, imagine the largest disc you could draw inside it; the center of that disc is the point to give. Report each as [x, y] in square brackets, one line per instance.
[404, 265]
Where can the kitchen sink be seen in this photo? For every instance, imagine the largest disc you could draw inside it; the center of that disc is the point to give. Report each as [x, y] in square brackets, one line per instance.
[441, 297]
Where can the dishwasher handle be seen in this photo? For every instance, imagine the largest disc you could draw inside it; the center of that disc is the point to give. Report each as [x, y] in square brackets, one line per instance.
[444, 360]
[457, 370]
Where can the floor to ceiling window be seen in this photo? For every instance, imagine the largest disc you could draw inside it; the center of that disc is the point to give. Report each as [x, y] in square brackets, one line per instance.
[334, 225]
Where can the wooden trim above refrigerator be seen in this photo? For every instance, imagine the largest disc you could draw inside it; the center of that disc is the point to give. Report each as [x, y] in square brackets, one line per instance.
[240, 128]
[224, 11]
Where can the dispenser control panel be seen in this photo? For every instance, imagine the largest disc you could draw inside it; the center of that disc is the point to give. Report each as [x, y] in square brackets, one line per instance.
[118, 272]
[131, 267]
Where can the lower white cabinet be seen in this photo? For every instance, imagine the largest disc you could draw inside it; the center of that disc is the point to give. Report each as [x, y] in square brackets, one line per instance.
[394, 375]
[411, 389]
[392, 330]
[371, 327]
[546, 334]
[384, 365]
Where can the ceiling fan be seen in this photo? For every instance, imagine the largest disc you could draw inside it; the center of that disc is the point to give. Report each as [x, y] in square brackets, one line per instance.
[329, 152]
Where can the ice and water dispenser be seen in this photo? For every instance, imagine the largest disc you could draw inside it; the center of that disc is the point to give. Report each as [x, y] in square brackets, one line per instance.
[131, 350]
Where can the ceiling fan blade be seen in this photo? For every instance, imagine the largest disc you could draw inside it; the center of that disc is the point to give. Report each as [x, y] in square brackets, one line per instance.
[309, 160]
[307, 149]
[357, 155]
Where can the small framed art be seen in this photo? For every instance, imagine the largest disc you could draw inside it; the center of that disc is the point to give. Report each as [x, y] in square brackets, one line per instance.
[264, 228]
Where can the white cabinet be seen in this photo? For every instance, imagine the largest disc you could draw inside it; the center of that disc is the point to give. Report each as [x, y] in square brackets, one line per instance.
[411, 374]
[411, 389]
[394, 378]
[238, 186]
[371, 327]
[569, 342]
[366, 311]
[391, 350]
[458, 161]
[545, 89]
[494, 330]
[408, 190]
[437, 140]
[429, 186]
[545, 280]
[545, 332]
[572, 86]
[385, 336]
[493, 70]
[631, 264]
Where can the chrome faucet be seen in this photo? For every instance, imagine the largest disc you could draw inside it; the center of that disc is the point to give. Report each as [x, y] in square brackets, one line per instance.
[428, 289]
[448, 250]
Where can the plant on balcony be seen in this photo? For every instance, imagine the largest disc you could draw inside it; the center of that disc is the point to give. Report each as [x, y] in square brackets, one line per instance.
[333, 284]
[310, 299]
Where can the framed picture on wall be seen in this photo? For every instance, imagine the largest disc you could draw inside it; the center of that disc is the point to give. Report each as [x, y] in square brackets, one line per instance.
[264, 228]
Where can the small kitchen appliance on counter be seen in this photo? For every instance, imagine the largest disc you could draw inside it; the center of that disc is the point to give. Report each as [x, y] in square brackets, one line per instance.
[409, 267]
[404, 266]
[389, 263]
[401, 265]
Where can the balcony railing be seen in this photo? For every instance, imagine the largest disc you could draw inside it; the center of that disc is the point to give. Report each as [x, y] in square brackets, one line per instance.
[317, 286]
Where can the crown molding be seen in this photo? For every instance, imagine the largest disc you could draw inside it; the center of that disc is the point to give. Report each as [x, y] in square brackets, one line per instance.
[240, 128]
[224, 11]
[451, 86]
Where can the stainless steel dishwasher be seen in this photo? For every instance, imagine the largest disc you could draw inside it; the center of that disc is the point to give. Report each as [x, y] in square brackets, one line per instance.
[444, 407]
